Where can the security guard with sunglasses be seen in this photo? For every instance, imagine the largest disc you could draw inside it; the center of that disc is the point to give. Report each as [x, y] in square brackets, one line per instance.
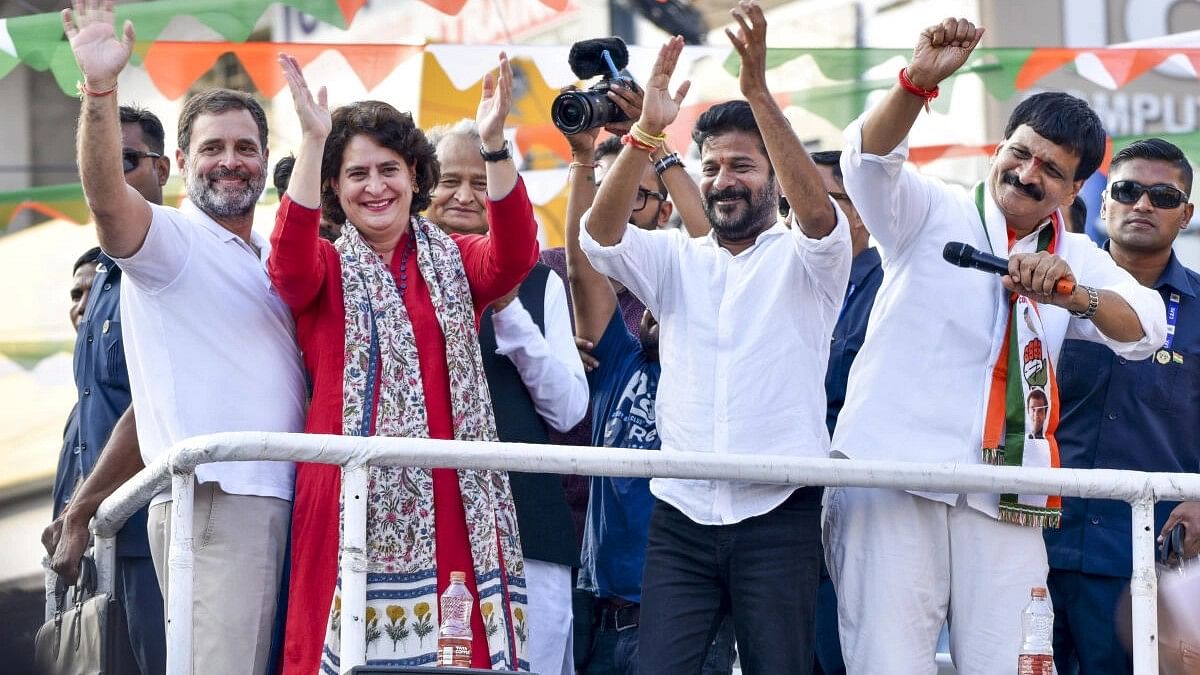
[1118, 414]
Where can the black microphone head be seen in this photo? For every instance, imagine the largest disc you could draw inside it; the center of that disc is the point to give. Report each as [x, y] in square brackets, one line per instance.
[586, 61]
[958, 253]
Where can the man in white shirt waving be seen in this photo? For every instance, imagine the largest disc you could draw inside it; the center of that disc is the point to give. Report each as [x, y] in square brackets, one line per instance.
[951, 358]
[745, 318]
[210, 345]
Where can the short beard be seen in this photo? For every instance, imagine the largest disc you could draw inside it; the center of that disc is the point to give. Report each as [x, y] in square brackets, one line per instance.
[222, 204]
[760, 213]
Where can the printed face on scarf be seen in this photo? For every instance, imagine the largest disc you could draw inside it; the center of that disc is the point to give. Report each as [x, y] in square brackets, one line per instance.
[1031, 176]
[738, 185]
[1037, 408]
[225, 168]
[459, 201]
[374, 189]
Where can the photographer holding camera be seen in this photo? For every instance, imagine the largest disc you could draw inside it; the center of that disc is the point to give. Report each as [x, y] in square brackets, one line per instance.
[731, 382]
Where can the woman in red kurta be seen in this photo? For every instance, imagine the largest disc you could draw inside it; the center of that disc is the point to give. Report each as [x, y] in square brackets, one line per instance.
[403, 361]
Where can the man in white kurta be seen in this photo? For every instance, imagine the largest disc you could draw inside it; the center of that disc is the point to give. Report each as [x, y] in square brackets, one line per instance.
[905, 562]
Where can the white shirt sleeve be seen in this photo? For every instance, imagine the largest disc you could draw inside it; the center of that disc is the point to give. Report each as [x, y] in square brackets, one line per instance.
[894, 200]
[1094, 267]
[827, 259]
[641, 261]
[549, 365]
[164, 252]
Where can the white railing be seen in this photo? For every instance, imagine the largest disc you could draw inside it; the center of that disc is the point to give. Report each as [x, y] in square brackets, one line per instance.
[176, 469]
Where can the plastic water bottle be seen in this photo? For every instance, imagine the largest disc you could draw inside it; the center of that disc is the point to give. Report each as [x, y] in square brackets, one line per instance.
[1037, 635]
[454, 638]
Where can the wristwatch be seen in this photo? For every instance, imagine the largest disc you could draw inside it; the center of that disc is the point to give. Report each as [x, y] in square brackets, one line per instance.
[1093, 304]
[500, 155]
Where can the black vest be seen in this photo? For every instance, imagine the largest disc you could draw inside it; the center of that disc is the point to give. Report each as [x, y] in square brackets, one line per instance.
[547, 531]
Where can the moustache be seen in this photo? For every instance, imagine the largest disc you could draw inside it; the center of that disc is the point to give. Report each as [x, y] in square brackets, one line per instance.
[728, 193]
[1031, 191]
[221, 174]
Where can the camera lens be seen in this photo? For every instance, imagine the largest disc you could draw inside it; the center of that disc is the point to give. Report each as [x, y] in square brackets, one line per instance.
[571, 112]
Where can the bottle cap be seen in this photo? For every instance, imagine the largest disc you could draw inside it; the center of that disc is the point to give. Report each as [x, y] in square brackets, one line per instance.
[1038, 592]
[462, 576]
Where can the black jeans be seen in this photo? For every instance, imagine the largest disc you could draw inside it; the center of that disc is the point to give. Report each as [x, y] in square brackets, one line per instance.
[763, 571]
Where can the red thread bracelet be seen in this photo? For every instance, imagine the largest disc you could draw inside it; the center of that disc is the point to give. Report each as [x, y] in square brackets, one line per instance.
[927, 94]
[629, 139]
[83, 89]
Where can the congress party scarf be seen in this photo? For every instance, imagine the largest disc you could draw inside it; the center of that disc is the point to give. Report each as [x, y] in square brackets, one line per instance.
[1022, 409]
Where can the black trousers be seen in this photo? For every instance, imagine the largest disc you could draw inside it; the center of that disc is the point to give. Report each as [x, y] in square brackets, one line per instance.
[763, 571]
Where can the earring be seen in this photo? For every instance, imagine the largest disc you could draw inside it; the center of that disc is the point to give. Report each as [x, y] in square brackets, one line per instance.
[415, 187]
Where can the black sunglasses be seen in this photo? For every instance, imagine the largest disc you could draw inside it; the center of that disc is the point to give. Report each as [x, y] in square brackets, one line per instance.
[131, 158]
[1161, 196]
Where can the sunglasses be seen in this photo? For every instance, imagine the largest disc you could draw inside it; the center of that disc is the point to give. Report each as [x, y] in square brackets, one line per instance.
[1161, 196]
[131, 158]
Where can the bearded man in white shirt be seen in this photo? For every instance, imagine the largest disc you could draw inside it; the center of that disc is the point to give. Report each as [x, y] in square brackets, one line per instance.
[951, 358]
[745, 318]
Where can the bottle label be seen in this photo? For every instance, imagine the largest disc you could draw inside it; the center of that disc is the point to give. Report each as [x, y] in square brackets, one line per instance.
[454, 652]
[1035, 664]
[456, 611]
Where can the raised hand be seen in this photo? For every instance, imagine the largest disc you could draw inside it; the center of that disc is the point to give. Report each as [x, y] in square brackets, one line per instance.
[750, 41]
[100, 55]
[315, 121]
[659, 107]
[941, 50]
[494, 105]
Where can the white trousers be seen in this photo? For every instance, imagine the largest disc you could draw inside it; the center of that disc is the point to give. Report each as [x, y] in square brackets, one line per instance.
[902, 565]
[550, 648]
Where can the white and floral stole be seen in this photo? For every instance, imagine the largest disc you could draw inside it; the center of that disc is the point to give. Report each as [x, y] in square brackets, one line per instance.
[382, 365]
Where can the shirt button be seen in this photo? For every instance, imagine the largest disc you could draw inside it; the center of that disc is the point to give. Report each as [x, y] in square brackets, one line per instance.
[77, 449]
[1095, 520]
[1112, 416]
[91, 339]
[83, 446]
[1122, 361]
[108, 287]
[87, 391]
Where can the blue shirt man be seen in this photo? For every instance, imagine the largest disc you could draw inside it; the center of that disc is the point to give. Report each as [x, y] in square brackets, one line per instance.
[1117, 414]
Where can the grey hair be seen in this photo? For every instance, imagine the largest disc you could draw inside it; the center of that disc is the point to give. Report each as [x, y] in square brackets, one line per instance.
[466, 128]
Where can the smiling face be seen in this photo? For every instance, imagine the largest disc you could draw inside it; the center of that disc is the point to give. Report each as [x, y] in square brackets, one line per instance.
[1141, 226]
[225, 166]
[738, 186]
[1030, 177]
[460, 197]
[374, 189]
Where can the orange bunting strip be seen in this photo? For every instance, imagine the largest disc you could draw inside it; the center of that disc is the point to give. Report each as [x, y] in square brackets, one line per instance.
[175, 66]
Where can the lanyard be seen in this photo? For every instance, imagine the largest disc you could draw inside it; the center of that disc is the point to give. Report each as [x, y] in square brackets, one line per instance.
[1172, 317]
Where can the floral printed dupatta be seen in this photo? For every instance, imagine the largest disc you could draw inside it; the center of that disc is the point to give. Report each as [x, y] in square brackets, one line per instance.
[402, 600]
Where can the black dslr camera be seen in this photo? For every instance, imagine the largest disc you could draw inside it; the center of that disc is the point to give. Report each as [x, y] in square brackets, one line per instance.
[576, 111]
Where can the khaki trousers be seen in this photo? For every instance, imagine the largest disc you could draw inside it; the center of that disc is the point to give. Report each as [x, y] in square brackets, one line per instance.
[239, 544]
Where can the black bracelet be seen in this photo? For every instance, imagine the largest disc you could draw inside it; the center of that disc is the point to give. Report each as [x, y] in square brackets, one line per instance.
[1093, 304]
[667, 162]
[500, 155]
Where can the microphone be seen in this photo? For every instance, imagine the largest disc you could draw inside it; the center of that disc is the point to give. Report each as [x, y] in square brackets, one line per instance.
[587, 58]
[958, 253]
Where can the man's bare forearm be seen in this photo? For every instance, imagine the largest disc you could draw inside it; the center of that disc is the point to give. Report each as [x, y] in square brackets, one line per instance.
[592, 295]
[121, 213]
[797, 174]
[120, 460]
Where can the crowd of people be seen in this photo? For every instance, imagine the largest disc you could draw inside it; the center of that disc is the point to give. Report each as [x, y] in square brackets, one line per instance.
[788, 304]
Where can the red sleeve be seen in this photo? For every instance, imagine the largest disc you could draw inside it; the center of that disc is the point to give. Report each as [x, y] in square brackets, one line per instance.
[295, 265]
[498, 261]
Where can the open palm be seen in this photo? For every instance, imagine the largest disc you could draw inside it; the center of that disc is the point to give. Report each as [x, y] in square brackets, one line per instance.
[659, 107]
[100, 54]
[495, 103]
[313, 114]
